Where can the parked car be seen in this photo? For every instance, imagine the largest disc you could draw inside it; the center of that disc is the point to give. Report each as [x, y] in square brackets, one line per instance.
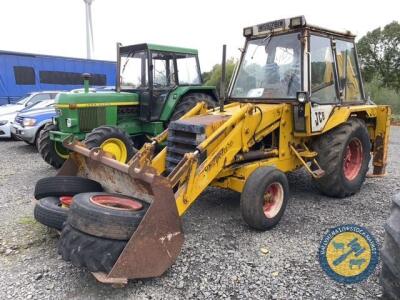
[7, 118]
[28, 100]
[28, 124]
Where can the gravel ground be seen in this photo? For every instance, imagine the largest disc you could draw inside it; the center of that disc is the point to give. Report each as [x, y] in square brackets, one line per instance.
[221, 256]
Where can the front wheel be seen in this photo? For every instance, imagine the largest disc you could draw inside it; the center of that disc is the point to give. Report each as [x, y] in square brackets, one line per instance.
[264, 198]
[344, 155]
[112, 140]
[51, 151]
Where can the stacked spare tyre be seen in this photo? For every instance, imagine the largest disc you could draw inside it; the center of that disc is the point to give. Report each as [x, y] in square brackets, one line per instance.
[95, 226]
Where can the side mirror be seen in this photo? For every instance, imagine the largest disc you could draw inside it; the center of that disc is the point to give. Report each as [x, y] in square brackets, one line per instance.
[302, 97]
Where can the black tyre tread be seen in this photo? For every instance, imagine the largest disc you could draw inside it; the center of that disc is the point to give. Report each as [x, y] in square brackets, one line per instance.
[48, 212]
[45, 146]
[102, 221]
[252, 197]
[390, 283]
[98, 135]
[330, 147]
[57, 186]
[390, 254]
[189, 101]
[83, 250]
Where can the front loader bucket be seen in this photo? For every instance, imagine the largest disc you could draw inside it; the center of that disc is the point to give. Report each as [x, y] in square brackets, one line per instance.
[157, 241]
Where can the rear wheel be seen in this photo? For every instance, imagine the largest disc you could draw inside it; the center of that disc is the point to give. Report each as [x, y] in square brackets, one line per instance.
[112, 140]
[51, 151]
[264, 198]
[189, 101]
[344, 155]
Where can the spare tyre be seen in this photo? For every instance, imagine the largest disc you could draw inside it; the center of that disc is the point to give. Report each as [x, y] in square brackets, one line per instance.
[49, 212]
[58, 186]
[111, 216]
[84, 250]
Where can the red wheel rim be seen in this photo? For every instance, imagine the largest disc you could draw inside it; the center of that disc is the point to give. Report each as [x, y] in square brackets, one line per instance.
[273, 199]
[66, 201]
[353, 158]
[116, 202]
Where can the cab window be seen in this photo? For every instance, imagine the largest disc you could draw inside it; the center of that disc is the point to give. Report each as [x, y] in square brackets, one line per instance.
[323, 88]
[349, 79]
[163, 70]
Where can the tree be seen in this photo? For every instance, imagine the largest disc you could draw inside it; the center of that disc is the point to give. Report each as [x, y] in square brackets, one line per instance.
[214, 77]
[379, 52]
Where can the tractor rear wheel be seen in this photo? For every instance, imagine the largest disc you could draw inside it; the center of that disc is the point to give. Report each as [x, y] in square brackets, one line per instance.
[112, 140]
[390, 254]
[189, 101]
[264, 198]
[344, 155]
[52, 152]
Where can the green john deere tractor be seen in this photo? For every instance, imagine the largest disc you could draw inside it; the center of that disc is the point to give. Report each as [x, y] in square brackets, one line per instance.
[155, 84]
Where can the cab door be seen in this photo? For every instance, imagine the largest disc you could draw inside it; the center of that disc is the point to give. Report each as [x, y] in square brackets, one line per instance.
[163, 79]
[324, 92]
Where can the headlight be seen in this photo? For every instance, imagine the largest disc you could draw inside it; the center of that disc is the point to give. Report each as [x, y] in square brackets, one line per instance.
[3, 122]
[28, 122]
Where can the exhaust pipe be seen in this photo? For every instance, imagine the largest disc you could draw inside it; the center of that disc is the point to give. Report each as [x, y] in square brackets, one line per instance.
[222, 93]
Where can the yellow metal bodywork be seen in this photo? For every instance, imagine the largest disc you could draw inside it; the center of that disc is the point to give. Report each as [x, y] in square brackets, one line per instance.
[225, 157]
[246, 124]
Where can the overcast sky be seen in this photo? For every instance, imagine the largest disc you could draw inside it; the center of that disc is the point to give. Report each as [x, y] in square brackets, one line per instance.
[57, 27]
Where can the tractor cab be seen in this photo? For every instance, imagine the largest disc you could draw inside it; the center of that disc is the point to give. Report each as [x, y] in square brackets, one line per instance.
[153, 71]
[288, 60]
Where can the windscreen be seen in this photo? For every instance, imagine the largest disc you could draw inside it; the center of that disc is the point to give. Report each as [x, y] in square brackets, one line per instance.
[133, 73]
[270, 68]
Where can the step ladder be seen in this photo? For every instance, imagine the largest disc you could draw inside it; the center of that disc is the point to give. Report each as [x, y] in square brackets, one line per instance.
[306, 156]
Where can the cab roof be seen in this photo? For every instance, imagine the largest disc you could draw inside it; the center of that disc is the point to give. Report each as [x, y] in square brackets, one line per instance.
[289, 24]
[155, 47]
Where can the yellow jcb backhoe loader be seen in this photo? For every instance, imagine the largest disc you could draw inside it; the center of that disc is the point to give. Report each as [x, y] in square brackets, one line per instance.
[296, 100]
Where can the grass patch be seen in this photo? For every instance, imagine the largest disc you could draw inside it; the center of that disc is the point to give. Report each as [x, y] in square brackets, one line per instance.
[27, 221]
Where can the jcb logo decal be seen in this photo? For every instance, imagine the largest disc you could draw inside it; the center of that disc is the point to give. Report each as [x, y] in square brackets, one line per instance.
[319, 117]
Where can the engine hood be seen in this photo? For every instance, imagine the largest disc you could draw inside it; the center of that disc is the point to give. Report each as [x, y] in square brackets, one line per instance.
[69, 100]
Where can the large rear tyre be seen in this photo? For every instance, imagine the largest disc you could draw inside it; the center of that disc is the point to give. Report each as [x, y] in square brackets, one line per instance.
[58, 186]
[344, 155]
[264, 198]
[112, 140]
[390, 254]
[83, 250]
[105, 215]
[49, 212]
[189, 101]
[52, 152]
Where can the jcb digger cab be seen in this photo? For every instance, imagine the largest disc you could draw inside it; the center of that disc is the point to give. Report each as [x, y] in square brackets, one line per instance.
[153, 72]
[289, 60]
